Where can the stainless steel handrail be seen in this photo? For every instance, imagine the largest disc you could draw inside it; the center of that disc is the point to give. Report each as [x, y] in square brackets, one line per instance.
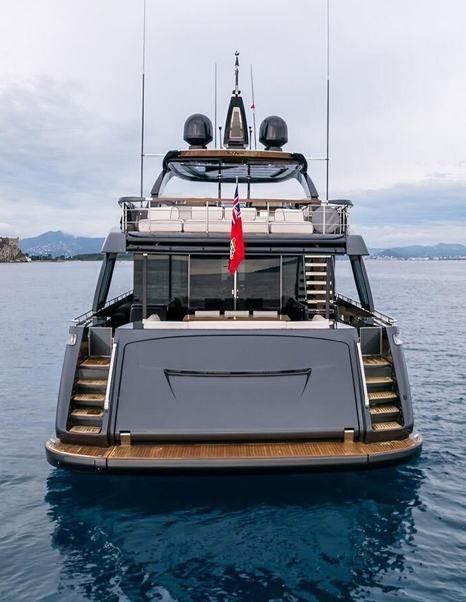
[377, 315]
[135, 209]
[88, 315]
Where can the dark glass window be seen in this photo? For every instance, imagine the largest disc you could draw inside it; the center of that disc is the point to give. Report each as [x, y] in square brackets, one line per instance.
[167, 279]
[259, 283]
[177, 284]
[211, 284]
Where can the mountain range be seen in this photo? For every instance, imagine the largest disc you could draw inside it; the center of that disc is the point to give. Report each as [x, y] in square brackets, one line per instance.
[440, 250]
[57, 243]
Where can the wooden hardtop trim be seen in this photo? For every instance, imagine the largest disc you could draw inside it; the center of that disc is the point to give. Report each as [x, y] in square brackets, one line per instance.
[234, 154]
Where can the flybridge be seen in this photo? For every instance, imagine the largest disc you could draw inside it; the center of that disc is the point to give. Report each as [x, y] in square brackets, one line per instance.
[266, 217]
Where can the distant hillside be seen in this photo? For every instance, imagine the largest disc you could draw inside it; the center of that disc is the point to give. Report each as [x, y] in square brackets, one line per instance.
[441, 250]
[58, 243]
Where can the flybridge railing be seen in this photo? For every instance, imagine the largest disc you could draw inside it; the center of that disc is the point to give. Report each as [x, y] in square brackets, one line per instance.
[260, 216]
[85, 319]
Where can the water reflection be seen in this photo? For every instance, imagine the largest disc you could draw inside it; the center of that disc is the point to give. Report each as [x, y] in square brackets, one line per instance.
[283, 537]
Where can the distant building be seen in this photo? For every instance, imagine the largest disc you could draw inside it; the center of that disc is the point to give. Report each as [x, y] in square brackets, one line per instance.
[9, 250]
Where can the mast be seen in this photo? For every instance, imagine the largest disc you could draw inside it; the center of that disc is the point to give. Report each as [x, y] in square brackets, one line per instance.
[141, 191]
[327, 153]
[253, 108]
[236, 126]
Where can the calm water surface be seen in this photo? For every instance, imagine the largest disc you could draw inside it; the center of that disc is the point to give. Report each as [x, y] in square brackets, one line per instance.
[390, 534]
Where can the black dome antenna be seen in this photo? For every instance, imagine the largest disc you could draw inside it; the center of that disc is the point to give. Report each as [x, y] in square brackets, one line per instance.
[273, 133]
[197, 131]
[236, 127]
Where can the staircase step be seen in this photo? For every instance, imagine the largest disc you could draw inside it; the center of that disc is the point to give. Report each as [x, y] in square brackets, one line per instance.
[382, 395]
[386, 426]
[384, 412]
[379, 380]
[86, 416]
[322, 273]
[88, 430]
[375, 360]
[89, 399]
[96, 362]
[86, 412]
[94, 383]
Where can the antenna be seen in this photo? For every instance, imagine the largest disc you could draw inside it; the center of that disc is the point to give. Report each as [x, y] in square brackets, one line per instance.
[327, 157]
[236, 91]
[215, 105]
[143, 97]
[253, 108]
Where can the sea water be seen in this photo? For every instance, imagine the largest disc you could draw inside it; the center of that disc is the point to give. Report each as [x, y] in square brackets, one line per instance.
[388, 534]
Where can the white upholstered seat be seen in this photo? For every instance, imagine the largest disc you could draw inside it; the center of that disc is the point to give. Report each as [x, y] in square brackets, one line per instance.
[290, 221]
[161, 219]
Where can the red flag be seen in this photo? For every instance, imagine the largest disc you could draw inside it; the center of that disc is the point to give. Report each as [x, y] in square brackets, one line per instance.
[236, 236]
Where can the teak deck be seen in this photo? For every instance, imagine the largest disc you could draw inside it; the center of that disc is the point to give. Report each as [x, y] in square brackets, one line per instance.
[231, 455]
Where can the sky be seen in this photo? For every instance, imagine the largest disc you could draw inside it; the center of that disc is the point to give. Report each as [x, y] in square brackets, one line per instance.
[70, 79]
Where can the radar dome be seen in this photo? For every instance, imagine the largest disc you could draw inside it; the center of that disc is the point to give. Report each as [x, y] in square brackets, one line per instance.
[198, 131]
[273, 133]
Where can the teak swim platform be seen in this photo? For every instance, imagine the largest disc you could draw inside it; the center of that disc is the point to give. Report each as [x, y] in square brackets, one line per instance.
[240, 456]
[194, 369]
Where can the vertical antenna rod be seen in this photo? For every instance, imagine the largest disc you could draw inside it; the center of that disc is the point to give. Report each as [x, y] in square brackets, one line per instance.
[236, 91]
[143, 97]
[327, 157]
[253, 108]
[215, 105]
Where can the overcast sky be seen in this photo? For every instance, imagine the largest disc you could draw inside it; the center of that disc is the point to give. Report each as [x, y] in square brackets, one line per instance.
[70, 103]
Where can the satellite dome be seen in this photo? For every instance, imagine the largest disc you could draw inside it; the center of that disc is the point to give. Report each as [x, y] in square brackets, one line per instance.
[198, 131]
[273, 133]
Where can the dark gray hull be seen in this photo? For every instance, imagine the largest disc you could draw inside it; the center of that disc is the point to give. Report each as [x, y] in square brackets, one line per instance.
[271, 388]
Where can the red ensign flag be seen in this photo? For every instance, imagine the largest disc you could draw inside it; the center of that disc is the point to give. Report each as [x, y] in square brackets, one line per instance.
[236, 236]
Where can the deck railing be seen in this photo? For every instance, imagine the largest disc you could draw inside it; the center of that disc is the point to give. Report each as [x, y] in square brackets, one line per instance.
[259, 215]
[381, 318]
[86, 318]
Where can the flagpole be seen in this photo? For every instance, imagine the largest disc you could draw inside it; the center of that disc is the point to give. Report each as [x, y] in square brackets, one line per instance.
[235, 276]
[235, 289]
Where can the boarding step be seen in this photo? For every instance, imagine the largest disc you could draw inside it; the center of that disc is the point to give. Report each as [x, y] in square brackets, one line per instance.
[384, 412]
[376, 361]
[89, 399]
[92, 383]
[85, 430]
[387, 426]
[87, 416]
[378, 380]
[377, 397]
[96, 362]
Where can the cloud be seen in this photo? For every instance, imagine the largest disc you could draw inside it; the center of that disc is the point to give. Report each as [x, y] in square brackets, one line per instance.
[426, 212]
[60, 164]
[70, 102]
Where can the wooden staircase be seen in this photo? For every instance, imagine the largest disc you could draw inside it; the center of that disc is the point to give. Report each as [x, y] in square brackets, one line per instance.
[384, 402]
[315, 283]
[87, 401]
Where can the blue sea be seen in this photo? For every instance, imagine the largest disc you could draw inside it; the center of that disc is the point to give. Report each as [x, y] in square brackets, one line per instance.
[389, 534]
